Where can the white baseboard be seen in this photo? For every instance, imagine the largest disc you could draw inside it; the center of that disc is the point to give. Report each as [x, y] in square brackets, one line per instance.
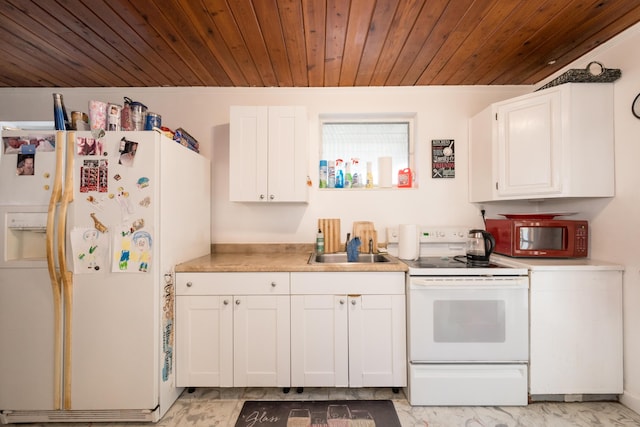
[631, 401]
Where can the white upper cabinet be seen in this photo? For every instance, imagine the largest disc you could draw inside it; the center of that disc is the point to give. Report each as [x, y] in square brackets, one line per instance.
[554, 143]
[268, 154]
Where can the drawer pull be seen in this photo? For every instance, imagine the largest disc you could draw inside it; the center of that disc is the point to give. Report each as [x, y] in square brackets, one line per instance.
[273, 284]
[189, 284]
[225, 302]
[237, 302]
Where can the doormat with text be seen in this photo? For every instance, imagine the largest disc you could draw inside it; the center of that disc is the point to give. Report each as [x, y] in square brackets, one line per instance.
[318, 413]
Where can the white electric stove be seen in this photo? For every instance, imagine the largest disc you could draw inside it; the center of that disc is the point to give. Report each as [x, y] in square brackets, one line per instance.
[467, 325]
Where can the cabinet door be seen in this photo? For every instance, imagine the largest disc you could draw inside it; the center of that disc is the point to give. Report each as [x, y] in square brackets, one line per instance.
[204, 341]
[576, 332]
[319, 341]
[377, 337]
[261, 341]
[529, 146]
[248, 148]
[268, 154]
[287, 157]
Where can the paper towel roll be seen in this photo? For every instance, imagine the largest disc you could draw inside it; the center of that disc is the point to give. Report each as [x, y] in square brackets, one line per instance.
[408, 242]
[384, 172]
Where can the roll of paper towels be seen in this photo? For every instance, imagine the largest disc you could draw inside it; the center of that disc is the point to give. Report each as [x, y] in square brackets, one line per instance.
[408, 242]
[384, 172]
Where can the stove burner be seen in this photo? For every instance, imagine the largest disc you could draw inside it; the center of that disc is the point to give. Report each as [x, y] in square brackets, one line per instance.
[458, 262]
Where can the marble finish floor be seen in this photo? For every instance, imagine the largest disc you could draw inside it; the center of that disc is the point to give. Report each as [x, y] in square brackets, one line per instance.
[208, 407]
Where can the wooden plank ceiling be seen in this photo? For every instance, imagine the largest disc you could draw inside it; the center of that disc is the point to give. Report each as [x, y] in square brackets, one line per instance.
[299, 43]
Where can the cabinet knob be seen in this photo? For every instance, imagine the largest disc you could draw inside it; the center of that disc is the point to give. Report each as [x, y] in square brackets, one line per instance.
[189, 284]
[237, 302]
[225, 302]
[262, 197]
[353, 302]
[271, 197]
[341, 302]
[273, 284]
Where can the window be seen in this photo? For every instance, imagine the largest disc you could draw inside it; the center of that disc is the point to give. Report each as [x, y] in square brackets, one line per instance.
[361, 140]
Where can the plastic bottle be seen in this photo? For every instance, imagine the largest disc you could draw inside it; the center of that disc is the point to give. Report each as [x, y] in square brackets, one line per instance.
[369, 175]
[60, 113]
[355, 170]
[348, 179]
[331, 182]
[339, 174]
[320, 242]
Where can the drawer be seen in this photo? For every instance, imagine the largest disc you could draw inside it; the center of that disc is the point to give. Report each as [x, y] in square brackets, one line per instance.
[372, 283]
[271, 283]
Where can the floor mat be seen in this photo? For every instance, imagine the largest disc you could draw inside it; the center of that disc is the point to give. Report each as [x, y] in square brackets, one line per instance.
[318, 413]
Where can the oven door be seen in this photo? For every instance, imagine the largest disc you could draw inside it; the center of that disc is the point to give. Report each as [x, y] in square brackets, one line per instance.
[468, 319]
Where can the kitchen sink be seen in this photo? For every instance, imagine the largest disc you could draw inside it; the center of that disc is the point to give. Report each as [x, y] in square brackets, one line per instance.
[341, 258]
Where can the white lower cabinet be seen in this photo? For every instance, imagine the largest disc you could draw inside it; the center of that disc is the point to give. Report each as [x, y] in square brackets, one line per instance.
[348, 329]
[576, 332]
[232, 330]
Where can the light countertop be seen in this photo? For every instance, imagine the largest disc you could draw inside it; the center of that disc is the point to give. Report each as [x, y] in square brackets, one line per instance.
[539, 264]
[274, 257]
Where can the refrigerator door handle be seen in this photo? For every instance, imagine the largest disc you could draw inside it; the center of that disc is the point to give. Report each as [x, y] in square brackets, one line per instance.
[67, 277]
[54, 275]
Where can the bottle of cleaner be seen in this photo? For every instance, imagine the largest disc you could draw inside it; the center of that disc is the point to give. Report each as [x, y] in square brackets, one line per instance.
[320, 242]
[369, 175]
[355, 170]
[331, 181]
[348, 179]
[339, 173]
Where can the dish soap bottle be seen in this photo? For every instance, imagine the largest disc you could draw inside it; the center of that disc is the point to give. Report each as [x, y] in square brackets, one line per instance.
[320, 242]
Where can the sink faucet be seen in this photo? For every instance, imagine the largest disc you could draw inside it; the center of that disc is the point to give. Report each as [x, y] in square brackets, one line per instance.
[370, 246]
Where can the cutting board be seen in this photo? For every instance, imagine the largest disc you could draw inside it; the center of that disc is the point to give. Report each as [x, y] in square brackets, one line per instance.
[331, 229]
[366, 231]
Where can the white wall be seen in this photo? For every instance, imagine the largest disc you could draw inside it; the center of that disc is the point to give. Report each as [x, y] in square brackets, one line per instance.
[442, 112]
[616, 227]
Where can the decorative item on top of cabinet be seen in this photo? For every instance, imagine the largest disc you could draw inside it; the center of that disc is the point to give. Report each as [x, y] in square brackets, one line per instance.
[268, 154]
[556, 143]
[594, 72]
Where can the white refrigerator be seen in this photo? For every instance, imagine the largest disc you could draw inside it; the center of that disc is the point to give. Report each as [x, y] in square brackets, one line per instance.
[91, 227]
